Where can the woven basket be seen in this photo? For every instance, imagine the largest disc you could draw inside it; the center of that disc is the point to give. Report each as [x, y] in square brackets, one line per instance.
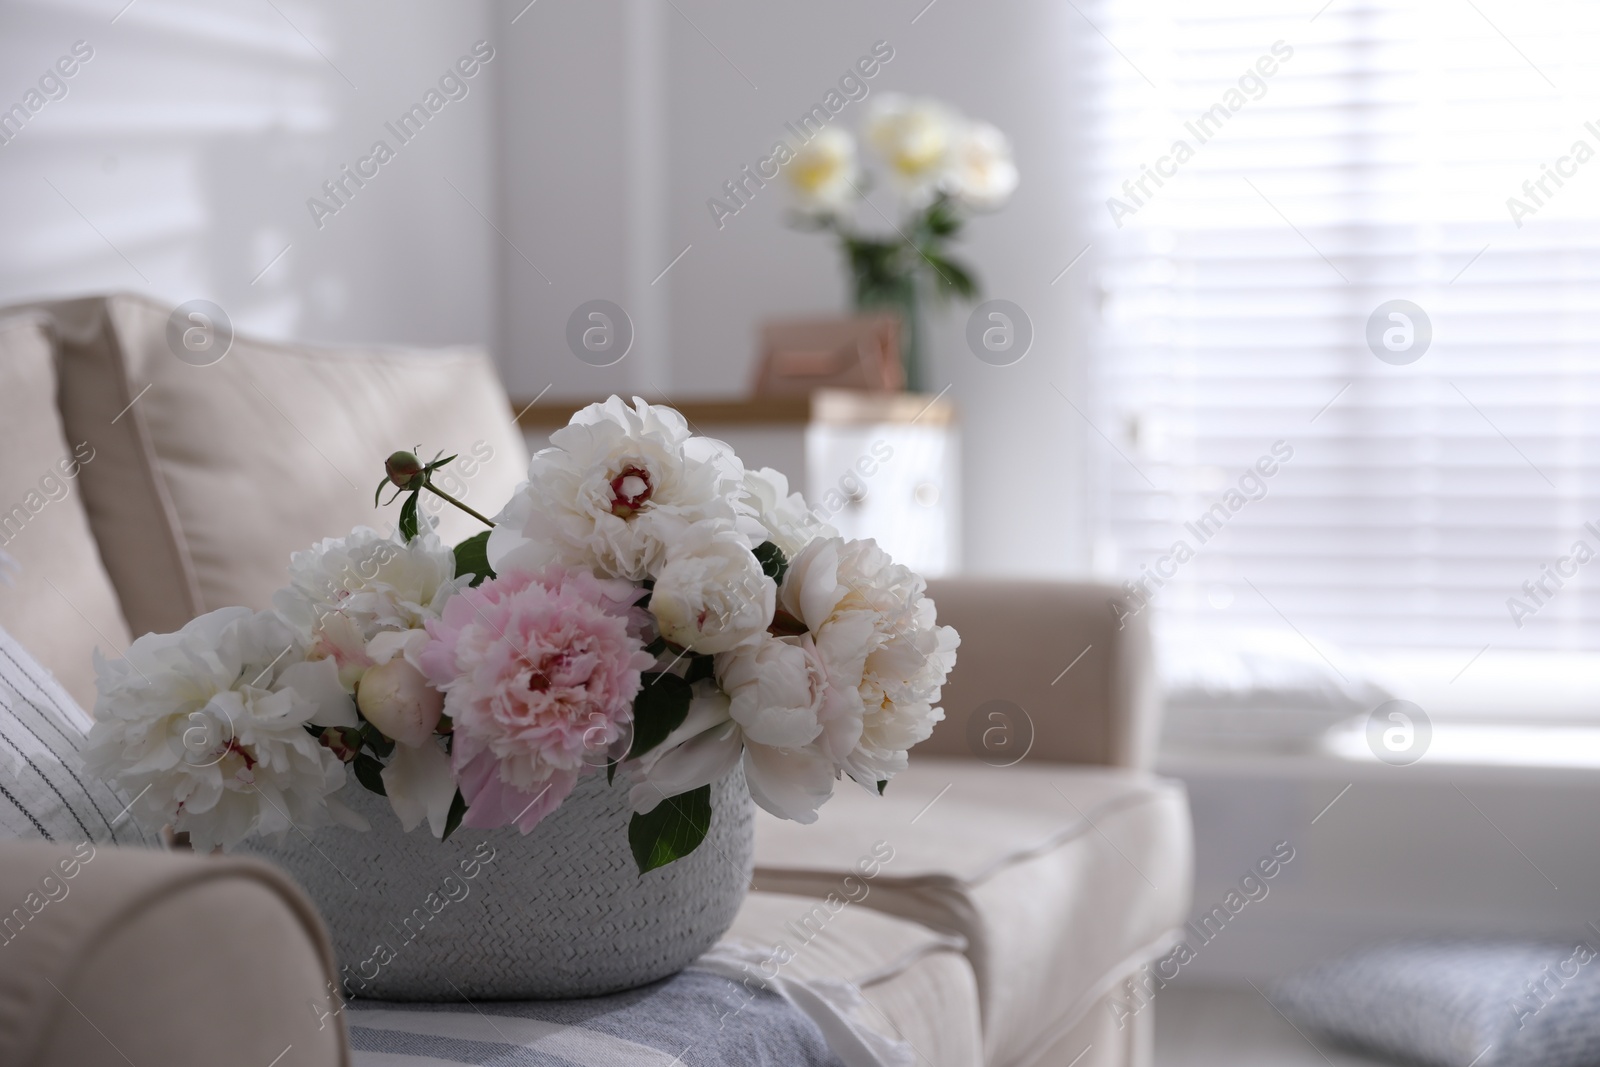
[494, 915]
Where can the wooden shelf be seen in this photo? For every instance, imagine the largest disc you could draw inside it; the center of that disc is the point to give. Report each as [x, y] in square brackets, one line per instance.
[831, 407]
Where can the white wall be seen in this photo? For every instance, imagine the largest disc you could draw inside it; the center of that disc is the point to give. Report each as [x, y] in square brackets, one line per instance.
[580, 141]
[607, 173]
[1024, 463]
[185, 150]
[1405, 852]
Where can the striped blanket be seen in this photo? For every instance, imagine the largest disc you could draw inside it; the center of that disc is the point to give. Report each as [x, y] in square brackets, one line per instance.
[693, 1019]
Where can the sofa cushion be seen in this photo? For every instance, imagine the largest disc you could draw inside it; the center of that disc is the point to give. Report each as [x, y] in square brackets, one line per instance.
[1061, 879]
[917, 984]
[1068, 678]
[59, 598]
[209, 476]
[44, 791]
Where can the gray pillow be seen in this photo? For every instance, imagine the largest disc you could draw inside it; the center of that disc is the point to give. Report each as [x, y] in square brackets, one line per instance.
[1457, 1003]
[45, 794]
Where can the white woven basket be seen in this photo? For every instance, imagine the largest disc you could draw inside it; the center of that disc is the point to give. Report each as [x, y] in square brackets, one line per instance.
[562, 912]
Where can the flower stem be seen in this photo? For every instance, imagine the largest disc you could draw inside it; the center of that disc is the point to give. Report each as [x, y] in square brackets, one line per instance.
[427, 483]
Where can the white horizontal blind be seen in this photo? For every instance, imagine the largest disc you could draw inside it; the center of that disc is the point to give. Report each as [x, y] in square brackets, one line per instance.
[1374, 163]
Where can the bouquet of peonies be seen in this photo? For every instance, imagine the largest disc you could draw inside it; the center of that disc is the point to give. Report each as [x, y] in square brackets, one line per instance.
[942, 168]
[644, 607]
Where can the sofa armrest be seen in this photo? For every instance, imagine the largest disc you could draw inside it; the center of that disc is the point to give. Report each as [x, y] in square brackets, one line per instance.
[113, 955]
[1071, 655]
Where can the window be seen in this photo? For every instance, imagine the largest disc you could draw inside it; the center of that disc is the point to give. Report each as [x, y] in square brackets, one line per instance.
[1350, 270]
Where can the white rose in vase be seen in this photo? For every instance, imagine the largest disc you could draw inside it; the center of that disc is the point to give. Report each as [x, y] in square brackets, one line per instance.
[982, 174]
[916, 138]
[823, 172]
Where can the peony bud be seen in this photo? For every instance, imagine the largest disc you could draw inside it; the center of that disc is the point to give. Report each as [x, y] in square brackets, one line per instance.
[398, 700]
[342, 741]
[403, 469]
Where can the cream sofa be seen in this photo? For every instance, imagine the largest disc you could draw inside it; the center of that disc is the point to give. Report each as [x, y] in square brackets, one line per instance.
[1036, 863]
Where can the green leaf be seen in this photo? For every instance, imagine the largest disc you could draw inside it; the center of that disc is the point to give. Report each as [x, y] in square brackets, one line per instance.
[369, 772]
[436, 464]
[881, 786]
[644, 601]
[472, 557]
[951, 278]
[942, 220]
[458, 811]
[700, 668]
[656, 647]
[672, 830]
[611, 771]
[773, 562]
[659, 709]
[377, 497]
[373, 738]
[876, 267]
[408, 516]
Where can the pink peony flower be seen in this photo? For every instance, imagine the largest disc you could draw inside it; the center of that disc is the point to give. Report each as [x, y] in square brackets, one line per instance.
[539, 671]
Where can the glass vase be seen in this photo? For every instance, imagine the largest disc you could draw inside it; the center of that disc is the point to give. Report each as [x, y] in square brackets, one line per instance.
[901, 297]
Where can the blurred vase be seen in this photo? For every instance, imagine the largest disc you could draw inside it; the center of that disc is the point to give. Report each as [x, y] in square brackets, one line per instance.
[900, 296]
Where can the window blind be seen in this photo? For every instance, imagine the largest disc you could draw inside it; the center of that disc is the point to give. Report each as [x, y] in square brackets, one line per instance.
[1265, 181]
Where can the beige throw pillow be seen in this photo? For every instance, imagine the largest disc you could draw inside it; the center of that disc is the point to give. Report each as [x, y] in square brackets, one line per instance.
[59, 601]
[210, 475]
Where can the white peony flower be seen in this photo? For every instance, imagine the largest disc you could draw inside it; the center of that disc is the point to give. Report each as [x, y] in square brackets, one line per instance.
[884, 656]
[785, 520]
[789, 783]
[346, 591]
[982, 173]
[916, 138]
[206, 728]
[823, 172]
[851, 694]
[615, 490]
[420, 785]
[776, 688]
[362, 602]
[711, 594]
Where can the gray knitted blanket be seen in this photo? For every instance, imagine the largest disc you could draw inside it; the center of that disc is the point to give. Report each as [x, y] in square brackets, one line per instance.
[693, 1019]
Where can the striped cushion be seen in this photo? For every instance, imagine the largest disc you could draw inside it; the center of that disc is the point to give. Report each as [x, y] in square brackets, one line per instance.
[44, 791]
